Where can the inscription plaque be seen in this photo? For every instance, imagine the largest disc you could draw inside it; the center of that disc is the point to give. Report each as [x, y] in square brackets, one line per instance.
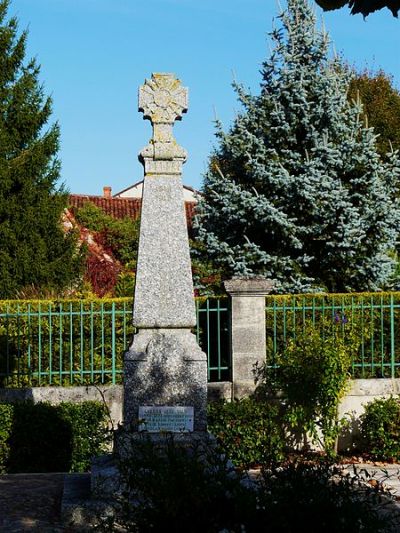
[175, 419]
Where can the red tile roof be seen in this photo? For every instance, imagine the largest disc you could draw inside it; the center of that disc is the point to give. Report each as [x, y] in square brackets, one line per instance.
[120, 207]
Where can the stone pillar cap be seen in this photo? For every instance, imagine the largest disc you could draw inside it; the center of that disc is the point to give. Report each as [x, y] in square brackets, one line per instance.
[248, 286]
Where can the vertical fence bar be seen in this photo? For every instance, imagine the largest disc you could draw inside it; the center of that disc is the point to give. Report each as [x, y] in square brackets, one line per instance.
[29, 369]
[294, 316]
[102, 343]
[113, 342]
[50, 345]
[372, 322]
[91, 343]
[284, 317]
[362, 338]
[353, 355]
[8, 362]
[219, 338]
[124, 326]
[392, 340]
[382, 341]
[18, 346]
[71, 344]
[81, 343]
[313, 310]
[208, 338]
[40, 344]
[61, 343]
[274, 326]
[197, 321]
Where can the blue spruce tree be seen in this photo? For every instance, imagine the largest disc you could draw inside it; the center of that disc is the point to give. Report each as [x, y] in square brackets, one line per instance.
[296, 190]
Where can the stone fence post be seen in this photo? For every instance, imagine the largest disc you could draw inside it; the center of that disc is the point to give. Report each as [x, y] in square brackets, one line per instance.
[248, 337]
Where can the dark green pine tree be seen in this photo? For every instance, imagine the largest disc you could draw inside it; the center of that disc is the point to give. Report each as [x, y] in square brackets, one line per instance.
[33, 247]
[296, 190]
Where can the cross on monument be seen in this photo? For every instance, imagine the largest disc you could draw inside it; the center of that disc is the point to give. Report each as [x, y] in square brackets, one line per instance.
[163, 100]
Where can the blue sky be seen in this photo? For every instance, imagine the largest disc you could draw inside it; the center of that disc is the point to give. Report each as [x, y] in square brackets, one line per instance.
[94, 54]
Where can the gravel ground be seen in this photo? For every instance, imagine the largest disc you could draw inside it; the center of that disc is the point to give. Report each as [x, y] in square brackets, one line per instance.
[31, 502]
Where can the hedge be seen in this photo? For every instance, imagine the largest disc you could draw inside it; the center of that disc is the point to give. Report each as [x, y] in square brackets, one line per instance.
[46, 438]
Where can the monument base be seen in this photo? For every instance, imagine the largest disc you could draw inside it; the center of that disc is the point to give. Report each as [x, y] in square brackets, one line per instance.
[89, 499]
[165, 367]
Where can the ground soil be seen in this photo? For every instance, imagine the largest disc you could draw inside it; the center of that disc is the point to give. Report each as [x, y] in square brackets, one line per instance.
[31, 503]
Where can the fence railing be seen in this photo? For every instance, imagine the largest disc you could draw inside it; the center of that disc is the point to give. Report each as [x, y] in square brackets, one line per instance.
[372, 318]
[79, 342]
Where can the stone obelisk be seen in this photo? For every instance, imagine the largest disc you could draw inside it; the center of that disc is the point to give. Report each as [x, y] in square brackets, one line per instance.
[165, 374]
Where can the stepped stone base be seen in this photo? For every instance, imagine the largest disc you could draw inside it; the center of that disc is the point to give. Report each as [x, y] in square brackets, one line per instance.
[79, 509]
[92, 497]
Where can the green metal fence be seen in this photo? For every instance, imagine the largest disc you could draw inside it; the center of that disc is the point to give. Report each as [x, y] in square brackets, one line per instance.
[372, 318]
[213, 335]
[79, 342]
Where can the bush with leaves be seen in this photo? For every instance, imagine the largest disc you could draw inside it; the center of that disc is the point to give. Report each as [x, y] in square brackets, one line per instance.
[248, 431]
[180, 488]
[46, 438]
[319, 496]
[6, 418]
[380, 428]
[169, 487]
[312, 374]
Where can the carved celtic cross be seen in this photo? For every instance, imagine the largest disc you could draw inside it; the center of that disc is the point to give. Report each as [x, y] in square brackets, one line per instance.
[162, 99]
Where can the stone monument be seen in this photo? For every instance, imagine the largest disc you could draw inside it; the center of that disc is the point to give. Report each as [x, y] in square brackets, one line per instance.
[165, 374]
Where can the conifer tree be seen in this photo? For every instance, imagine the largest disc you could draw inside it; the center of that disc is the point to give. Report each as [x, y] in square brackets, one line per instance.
[296, 190]
[33, 247]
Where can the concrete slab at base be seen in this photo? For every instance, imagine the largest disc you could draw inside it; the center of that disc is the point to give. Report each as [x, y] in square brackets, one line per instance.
[78, 509]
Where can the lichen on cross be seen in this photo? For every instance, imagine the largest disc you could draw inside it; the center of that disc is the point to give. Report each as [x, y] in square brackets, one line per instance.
[162, 99]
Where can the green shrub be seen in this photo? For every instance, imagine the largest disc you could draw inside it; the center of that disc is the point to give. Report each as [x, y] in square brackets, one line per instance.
[40, 440]
[179, 488]
[88, 421]
[125, 285]
[174, 488]
[6, 417]
[319, 496]
[312, 374]
[380, 428]
[47, 438]
[248, 431]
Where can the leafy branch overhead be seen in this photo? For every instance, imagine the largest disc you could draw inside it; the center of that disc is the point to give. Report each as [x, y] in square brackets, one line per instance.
[365, 7]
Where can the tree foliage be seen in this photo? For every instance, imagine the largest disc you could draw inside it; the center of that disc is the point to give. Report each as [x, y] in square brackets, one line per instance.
[119, 238]
[381, 106]
[33, 246]
[365, 7]
[296, 190]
